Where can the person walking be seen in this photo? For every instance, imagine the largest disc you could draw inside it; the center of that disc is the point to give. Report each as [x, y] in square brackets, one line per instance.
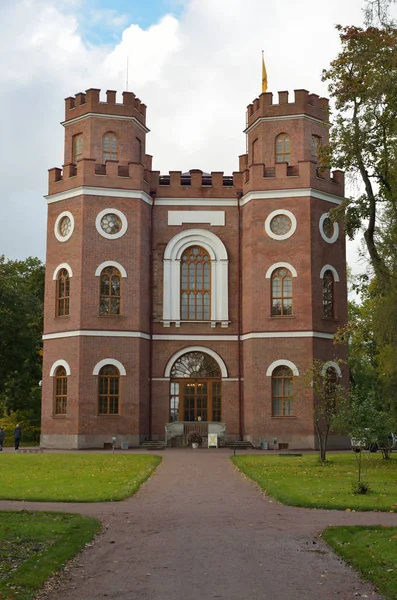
[17, 436]
[2, 436]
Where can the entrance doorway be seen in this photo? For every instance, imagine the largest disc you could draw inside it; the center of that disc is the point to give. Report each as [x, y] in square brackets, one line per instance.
[196, 389]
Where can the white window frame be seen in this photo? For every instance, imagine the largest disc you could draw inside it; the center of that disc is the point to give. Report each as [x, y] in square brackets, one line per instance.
[172, 275]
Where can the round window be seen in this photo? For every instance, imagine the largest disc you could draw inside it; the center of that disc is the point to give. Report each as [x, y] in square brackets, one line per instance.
[64, 226]
[280, 224]
[111, 223]
[328, 229]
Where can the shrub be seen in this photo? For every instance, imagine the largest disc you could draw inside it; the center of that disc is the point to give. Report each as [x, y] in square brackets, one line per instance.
[194, 437]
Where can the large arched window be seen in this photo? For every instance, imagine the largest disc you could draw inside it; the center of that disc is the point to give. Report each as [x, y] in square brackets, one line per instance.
[216, 292]
[60, 391]
[282, 392]
[328, 295]
[330, 384]
[110, 149]
[195, 393]
[77, 148]
[281, 292]
[283, 148]
[109, 385]
[195, 284]
[110, 292]
[63, 293]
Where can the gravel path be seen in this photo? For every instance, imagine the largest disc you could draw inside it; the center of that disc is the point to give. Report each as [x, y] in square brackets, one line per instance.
[198, 529]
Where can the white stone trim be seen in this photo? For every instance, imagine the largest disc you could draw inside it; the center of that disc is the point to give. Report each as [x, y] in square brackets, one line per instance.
[62, 266]
[109, 361]
[106, 116]
[291, 193]
[223, 379]
[122, 217]
[219, 274]
[95, 333]
[196, 338]
[283, 236]
[213, 217]
[281, 265]
[196, 201]
[60, 363]
[335, 235]
[332, 364]
[214, 355]
[57, 233]
[281, 363]
[287, 334]
[329, 268]
[285, 118]
[111, 263]
[99, 191]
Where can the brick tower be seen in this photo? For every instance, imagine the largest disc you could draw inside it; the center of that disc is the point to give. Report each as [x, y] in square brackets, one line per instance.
[189, 299]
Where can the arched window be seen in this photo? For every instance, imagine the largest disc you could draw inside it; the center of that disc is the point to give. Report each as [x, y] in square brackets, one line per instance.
[315, 145]
[63, 293]
[330, 382]
[109, 147]
[195, 284]
[283, 148]
[195, 392]
[108, 400]
[77, 147]
[110, 292]
[60, 391]
[281, 292]
[282, 392]
[328, 295]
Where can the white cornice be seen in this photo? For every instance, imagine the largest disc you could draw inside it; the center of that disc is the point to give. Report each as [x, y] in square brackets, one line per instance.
[95, 333]
[290, 193]
[179, 337]
[196, 202]
[286, 118]
[287, 334]
[102, 116]
[98, 191]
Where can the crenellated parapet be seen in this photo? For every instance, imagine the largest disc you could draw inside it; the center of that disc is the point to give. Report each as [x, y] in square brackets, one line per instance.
[196, 183]
[89, 102]
[304, 104]
[87, 172]
[283, 176]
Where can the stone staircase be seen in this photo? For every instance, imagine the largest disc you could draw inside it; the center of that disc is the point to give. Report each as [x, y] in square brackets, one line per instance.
[239, 445]
[158, 445]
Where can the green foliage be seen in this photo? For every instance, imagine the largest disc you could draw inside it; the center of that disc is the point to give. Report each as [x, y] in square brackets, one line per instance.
[371, 551]
[74, 477]
[33, 545]
[28, 423]
[21, 325]
[305, 481]
[360, 487]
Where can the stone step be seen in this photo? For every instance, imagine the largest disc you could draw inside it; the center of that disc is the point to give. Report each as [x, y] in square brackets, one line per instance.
[242, 444]
[158, 445]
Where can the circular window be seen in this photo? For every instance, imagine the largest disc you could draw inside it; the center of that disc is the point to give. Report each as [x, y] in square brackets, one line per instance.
[64, 226]
[280, 224]
[328, 229]
[111, 223]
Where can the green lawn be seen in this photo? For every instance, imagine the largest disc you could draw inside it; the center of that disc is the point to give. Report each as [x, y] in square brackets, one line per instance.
[303, 481]
[73, 477]
[372, 551]
[34, 545]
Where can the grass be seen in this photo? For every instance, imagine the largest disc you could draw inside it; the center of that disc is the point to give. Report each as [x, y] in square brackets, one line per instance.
[33, 545]
[73, 477]
[304, 481]
[372, 551]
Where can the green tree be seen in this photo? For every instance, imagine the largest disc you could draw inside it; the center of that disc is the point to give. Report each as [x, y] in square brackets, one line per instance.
[21, 325]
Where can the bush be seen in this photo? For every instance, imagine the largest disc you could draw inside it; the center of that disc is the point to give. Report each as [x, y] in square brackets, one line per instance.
[194, 437]
[360, 487]
[30, 431]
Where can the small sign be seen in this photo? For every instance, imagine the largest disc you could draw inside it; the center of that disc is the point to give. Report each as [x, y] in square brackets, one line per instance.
[212, 440]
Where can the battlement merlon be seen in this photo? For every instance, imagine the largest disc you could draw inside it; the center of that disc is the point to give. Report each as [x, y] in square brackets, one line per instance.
[304, 103]
[89, 102]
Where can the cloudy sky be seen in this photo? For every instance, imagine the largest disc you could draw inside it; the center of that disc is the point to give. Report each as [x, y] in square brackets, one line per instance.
[195, 63]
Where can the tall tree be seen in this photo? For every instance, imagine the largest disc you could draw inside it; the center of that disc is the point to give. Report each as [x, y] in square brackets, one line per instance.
[21, 324]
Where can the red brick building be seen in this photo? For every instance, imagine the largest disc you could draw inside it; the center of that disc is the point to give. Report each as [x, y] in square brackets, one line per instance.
[191, 296]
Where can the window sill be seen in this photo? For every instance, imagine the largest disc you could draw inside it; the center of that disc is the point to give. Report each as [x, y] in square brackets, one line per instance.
[330, 319]
[107, 316]
[282, 316]
[59, 416]
[107, 416]
[62, 316]
[283, 417]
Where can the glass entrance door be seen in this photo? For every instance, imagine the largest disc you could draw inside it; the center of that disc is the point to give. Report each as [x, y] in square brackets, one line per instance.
[195, 401]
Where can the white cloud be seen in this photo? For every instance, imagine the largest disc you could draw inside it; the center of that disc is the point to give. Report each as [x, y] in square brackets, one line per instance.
[196, 75]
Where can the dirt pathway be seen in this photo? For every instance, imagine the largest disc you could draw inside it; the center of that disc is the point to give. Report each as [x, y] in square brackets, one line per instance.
[199, 530]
